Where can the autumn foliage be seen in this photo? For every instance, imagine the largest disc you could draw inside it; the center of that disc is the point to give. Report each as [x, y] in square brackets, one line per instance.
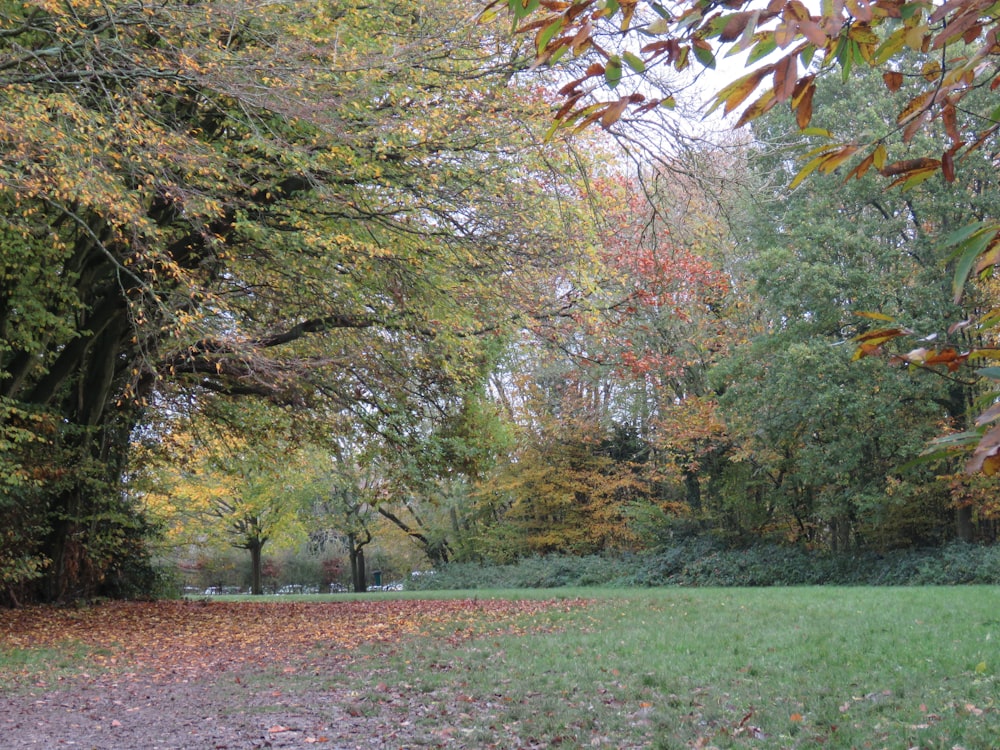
[223, 200]
[940, 56]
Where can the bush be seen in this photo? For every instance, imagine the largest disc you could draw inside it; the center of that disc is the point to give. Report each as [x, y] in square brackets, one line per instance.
[704, 561]
[550, 571]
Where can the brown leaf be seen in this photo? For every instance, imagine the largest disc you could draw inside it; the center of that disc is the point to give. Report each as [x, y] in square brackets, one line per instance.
[950, 119]
[737, 92]
[964, 25]
[812, 31]
[893, 80]
[734, 26]
[764, 104]
[784, 77]
[948, 166]
[802, 99]
[988, 259]
[804, 109]
[614, 112]
[785, 33]
[905, 166]
[988, 446]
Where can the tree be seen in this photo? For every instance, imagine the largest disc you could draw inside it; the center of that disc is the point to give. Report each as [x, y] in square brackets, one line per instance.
[610, 405]
[224, 198]
[224, 479]
[788, 50]
[818, 256]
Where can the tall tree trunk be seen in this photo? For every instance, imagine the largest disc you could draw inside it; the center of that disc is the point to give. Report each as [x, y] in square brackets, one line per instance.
[356, 552]
[256, 576]
[358, 573]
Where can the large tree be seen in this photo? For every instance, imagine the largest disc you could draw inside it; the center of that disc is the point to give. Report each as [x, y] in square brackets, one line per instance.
[316, 204]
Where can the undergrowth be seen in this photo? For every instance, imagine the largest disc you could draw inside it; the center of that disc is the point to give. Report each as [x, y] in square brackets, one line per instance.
[700, 561]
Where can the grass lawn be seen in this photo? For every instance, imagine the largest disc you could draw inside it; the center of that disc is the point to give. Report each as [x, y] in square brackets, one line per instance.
[658, 668]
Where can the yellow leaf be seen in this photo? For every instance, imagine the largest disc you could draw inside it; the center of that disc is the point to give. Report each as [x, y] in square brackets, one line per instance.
[879, 156]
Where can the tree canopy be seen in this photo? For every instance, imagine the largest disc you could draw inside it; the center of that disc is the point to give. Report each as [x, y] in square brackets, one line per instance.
[943, 55]
[352, 216]
[227, 199]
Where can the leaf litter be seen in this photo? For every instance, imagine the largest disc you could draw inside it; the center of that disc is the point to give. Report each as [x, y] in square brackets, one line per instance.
[208, 674]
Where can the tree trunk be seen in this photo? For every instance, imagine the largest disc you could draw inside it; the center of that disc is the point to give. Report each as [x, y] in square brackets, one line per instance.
[356, 553]
[840, 535]
[256, 578]
[692, 491]
[963, 522]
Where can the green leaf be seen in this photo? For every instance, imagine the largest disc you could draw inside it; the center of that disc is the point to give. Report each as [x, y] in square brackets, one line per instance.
[659, 26]
[661, 11]
[967, 252]
[955, 439]
[523, 8]
[917, 178]
[845, 56]
[762, 49]
[555, 57]
[547, 33]
[705, 57]
[817, 131]
[807, 54]
[964, 233]
[634, 61]
[908, 10]
[610, 7]
[613, 71]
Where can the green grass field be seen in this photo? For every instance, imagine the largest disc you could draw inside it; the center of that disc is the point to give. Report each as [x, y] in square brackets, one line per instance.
[674, 668]
[775, 668]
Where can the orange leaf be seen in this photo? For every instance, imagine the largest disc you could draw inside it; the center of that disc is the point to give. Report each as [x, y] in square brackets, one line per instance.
[614, 112]
[802, 100]
[948, 166]
[950, 119]
[893, 80]
[915, 107]
[863, 166]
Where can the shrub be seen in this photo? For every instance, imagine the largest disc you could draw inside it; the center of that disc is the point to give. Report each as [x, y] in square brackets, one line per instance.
[550, 571]
[704, 561]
